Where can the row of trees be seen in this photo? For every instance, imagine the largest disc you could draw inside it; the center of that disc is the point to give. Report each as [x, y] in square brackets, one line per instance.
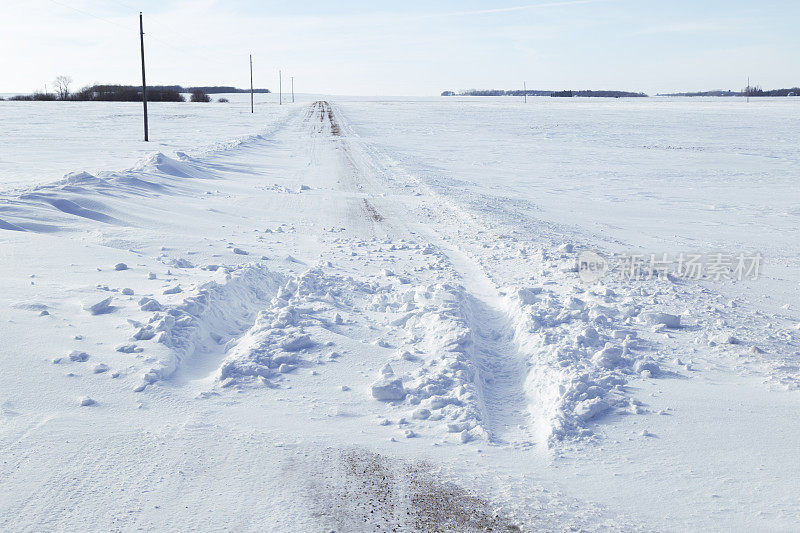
[125, 93]
[537, 92]
[128, 93]
[753, 90]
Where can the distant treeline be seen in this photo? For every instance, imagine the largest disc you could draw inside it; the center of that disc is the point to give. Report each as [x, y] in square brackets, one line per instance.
[538, 92]
[754, 91]
[217, 89]
[130, 93]
[43, 97]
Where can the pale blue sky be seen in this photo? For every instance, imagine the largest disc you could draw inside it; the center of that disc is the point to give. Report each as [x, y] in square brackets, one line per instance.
[406, 48]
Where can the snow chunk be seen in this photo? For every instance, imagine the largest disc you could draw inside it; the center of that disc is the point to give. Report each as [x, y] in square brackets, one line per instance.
[149, 304]
[85, 401]
[622, 333]
[181, 263]
[726, 339]
[144, 333]
[421, 414]
[655, 319]
[589, 409]
[388, 389]
[298, 343]
[528, 296]
[100, 308]
[408, 356]
[608, 357]
[129, 348]
[644, 365]
[78, 357]
[173, 290]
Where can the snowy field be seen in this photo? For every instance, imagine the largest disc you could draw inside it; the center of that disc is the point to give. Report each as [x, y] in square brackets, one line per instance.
[356, 314]
[43, 140]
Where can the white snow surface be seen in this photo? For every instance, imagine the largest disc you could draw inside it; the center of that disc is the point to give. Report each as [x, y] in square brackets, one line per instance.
[358, 314]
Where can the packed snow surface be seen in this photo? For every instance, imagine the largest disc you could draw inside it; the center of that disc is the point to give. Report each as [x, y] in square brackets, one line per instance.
[365, 314]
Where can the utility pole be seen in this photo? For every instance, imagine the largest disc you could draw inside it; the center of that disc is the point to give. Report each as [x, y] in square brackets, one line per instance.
[144, 82]
[280, 88]
[525, 90]
[251, 83]
[292, 89]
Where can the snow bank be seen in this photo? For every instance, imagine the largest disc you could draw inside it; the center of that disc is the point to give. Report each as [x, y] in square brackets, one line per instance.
[283, 333]
[444, 389]
[579, 354]
[164, 164]
[196, 325]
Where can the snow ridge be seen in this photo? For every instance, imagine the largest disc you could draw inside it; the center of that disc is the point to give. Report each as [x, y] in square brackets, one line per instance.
[215, 314]
[284, 332]
[445, 387]
[579, 354]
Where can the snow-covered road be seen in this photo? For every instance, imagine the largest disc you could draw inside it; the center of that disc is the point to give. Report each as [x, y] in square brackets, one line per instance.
[325, 326]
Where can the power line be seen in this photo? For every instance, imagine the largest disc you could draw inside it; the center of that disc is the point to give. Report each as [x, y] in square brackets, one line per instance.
[152, 19]
[89, 14]
[200, 59]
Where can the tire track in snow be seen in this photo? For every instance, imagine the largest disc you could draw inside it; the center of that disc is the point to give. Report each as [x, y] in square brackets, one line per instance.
[354, 177]
[501, 369]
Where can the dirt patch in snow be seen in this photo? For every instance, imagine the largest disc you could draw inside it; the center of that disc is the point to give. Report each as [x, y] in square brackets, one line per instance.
[372, 212]
[367, 491]
[335, 129]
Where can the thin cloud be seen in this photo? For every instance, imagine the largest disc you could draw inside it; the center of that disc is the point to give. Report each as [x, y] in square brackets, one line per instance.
[521, 8]
[701, 27]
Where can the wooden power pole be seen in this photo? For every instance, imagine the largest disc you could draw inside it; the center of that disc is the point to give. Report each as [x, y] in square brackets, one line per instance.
[144, 81]
[251, 83]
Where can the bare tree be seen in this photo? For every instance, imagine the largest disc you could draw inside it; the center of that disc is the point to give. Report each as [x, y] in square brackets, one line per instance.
[62, 86]
[198, 95]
